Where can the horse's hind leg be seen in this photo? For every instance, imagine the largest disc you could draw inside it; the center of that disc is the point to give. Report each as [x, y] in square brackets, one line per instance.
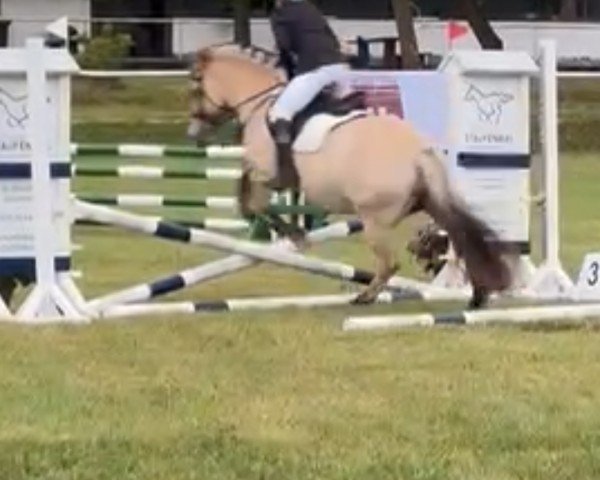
[479, 298]
[378, 237]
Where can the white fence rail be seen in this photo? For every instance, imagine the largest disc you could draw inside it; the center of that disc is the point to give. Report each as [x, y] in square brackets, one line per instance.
[185, 73]
[133, 73]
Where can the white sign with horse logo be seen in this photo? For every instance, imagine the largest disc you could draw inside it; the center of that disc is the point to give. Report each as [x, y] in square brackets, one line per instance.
[17, 238]
[488, 136]
[494, 114]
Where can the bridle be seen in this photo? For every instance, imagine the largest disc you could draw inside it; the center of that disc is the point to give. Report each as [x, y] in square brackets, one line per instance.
[227, 112]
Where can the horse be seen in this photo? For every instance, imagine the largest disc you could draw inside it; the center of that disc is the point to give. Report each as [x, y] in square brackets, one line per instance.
[375, 166]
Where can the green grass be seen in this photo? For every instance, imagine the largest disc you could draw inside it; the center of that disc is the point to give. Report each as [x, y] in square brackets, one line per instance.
[292, 398]
[286, 395]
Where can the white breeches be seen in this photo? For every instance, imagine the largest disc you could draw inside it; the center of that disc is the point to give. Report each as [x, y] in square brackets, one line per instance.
[303, 89]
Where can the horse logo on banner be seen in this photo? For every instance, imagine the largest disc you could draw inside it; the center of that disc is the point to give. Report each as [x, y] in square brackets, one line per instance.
[489, 105]
[14, 108]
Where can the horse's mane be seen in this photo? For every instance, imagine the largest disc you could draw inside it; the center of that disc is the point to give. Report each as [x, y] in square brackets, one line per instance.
[257, 55]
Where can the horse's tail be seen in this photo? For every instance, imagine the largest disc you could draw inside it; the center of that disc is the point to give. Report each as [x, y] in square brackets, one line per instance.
[473, 240]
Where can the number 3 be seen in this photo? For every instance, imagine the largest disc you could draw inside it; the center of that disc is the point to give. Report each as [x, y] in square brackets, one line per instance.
[594, 274]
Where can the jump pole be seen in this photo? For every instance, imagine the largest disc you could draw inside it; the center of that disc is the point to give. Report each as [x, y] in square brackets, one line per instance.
[210, 271]
[526, 315]
[240, 305]
[212, 202]
[292, 260]
[151, 200]
[148, 172]
[209, 223]
[157, 151]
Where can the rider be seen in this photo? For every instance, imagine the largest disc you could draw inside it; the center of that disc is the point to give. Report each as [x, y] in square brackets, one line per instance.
[312, 57]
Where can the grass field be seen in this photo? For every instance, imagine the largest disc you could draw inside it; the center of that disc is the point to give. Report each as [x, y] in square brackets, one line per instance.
[286, 395]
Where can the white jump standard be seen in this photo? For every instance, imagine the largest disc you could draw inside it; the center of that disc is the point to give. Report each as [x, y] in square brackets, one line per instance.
[34, 169]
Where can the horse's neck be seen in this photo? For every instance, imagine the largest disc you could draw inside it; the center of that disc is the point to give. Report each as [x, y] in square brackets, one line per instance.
[250, 94]
[246, 89]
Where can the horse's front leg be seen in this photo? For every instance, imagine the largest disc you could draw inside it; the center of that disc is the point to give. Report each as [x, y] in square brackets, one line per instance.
[288, 230]
[255, 200]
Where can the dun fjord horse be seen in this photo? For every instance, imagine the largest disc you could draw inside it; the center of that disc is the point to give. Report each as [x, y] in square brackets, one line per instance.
[375, 166]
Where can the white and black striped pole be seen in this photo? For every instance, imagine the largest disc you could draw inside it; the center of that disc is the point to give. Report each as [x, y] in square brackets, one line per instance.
[239, 305]
[526, 315]
[212, 270]
[293, 260]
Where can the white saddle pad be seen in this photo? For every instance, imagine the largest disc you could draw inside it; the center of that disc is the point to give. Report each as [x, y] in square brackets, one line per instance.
[312, 136]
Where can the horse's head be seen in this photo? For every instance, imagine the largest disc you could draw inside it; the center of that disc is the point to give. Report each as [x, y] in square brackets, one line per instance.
[223, 81]
[208, 103]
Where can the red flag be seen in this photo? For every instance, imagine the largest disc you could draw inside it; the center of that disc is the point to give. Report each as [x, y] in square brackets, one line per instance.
[455, 30]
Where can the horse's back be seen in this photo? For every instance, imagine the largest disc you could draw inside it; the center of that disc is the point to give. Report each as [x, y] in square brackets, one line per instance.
[371, 160]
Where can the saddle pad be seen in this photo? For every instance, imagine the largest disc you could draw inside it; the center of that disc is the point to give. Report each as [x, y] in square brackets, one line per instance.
[312, 136]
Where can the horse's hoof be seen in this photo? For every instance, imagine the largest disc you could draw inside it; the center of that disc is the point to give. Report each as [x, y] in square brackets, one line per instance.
[300, 241]
[364, 298]
[479, 300]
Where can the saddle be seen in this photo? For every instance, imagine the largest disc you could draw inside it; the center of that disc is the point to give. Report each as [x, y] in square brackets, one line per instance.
[326, 103]
[325, 113]
[310, 127]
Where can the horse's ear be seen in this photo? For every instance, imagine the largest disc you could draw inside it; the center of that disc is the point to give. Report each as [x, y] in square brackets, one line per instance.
[203, 58]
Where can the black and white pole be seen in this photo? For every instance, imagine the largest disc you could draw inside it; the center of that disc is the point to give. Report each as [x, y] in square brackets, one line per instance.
[508, 316]
[240, 305]
[210, 271]
[336, 270]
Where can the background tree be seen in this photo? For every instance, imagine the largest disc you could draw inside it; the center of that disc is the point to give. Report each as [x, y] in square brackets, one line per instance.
[472, 11]
[241, 22]
[405, 24]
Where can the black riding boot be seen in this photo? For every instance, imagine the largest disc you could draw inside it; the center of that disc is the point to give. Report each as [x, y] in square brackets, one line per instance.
[282, 134]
